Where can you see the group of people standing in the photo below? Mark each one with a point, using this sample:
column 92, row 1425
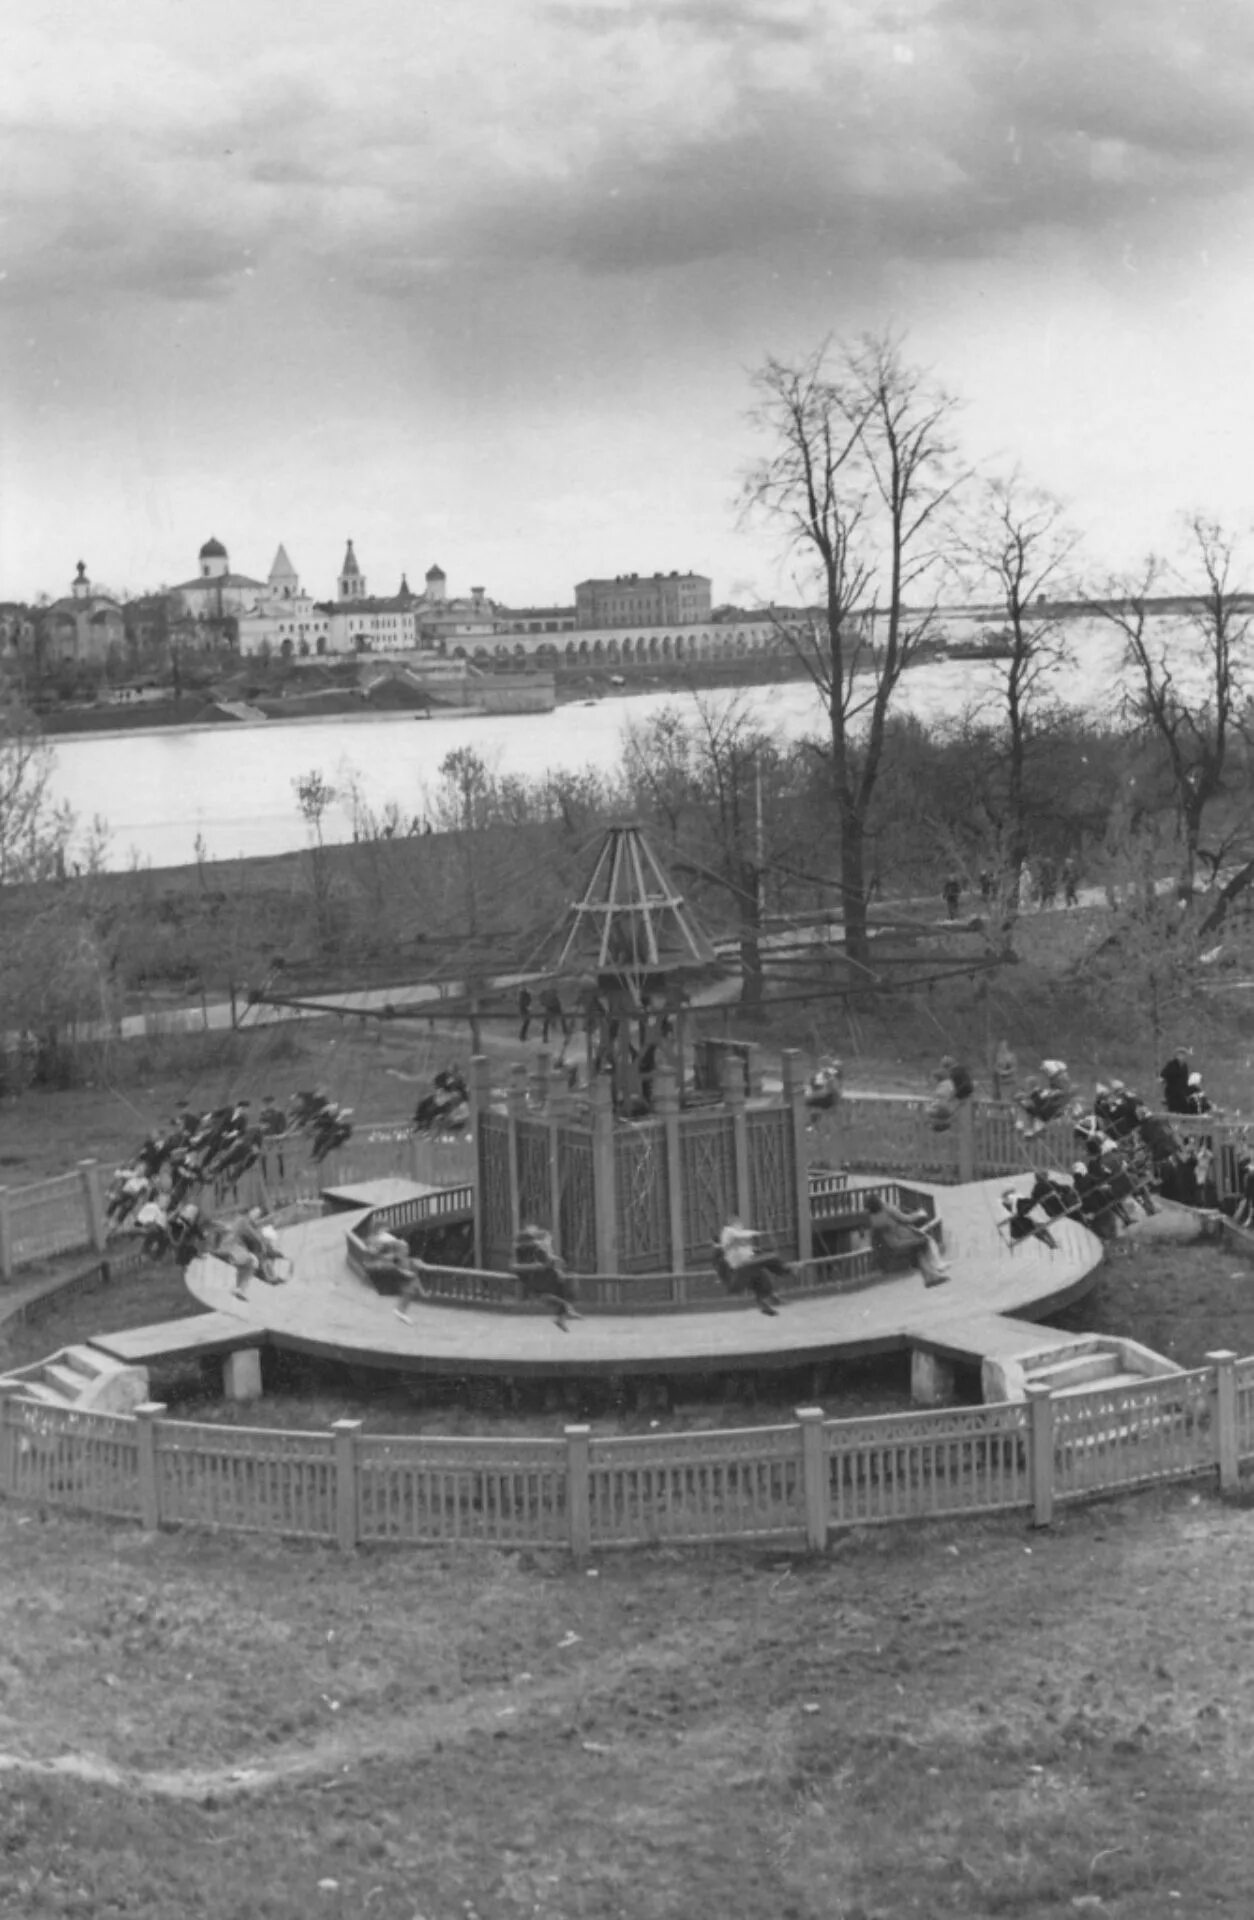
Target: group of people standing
column 1027, row 889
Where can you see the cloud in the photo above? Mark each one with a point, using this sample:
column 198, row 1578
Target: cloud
column 611, row 137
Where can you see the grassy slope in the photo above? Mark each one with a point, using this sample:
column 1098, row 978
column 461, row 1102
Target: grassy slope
column 968, row 1721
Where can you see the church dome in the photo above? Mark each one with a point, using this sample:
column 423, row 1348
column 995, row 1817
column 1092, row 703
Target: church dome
column 436, row 573
column 213, row 550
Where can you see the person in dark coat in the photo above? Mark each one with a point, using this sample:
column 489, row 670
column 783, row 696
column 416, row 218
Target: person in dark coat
column 1175, row 1079
column 524, row 1012
column 543, row 1274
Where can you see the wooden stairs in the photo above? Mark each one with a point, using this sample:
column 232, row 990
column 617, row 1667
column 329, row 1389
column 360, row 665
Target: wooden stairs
column 79, row 1377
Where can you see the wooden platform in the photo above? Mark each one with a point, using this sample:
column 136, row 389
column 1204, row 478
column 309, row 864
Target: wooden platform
column 986, row 1307
column 201, row 1333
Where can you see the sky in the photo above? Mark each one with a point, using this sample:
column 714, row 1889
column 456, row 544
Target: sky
column 484, row 283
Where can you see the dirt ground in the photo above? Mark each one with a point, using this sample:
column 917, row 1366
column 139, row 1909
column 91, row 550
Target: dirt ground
column 974, row 1720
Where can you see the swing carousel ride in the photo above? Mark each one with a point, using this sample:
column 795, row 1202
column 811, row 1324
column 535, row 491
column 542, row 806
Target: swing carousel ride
column 624, row 1179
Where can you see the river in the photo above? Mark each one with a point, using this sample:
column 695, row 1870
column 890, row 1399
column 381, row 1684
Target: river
column 232, row 786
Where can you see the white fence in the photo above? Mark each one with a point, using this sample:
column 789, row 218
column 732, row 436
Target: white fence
column 792, row 1483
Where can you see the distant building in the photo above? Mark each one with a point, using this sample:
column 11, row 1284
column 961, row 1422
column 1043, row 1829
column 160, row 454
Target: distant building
column 217, row 595
column 84, row 627
column 444, row 623
column 285, row 621
column 654, row 600
column 535, row 620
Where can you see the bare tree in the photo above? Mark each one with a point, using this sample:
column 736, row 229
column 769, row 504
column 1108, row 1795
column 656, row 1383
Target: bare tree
column 35, row 833
column 315, row 796
column 861, row 466
column 1016, row 550
column 1187, row 689
column 712, row 773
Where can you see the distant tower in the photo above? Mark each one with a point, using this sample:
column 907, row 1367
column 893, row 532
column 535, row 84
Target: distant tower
column 81, row 589
column 284, row 580
column 213, row 560
column 436, row 578
column 352, row 582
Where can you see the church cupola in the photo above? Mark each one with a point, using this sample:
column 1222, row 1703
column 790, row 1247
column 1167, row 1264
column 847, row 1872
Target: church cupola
column 213, row 560
column 436, row 578
column 81, row 589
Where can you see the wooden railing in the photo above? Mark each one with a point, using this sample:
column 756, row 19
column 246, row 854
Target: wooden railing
column 795, row 1481
column 698, row 1287
column 864, row 1133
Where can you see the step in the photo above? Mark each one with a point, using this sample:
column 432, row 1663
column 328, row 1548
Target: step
column 67, row 1383
column 83, row 1360
column 38, row 1390
column 1073, row 1370
column 1113, row 1381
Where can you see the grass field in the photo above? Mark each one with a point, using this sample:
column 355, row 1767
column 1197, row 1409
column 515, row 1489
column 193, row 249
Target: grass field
column 943, row 1721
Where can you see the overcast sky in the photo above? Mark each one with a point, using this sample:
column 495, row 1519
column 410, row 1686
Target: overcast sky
column 483, row 282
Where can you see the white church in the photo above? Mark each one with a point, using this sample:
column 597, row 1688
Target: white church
column 277, row 616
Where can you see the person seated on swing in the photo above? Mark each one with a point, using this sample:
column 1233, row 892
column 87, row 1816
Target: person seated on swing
column 543, row 1275
column 825, row 1086
column 893, row 1231
column 1020, row 1225
column 1042, row 1103
column 1096, row 1196
column 244, row 1245
column 739, row 1263
column 389, row 1261
column 1055, row 1195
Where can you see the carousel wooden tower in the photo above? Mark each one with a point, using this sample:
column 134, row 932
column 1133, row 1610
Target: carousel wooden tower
column 640, row 1174
column 631, row 950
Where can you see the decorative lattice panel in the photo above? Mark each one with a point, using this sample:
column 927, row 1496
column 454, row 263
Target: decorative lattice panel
column 642, row 1197
column 708, row 1157
column 772, row 1177
column 535, row 1199
column 577, row 1205
column 494, row 1188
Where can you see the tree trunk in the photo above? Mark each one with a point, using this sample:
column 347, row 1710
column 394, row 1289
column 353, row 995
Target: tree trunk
column 751, row 987
column 853, row 887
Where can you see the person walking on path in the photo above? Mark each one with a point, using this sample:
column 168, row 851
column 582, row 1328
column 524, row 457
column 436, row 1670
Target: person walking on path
column 524, row 1012
column 951, row 894
column 893, row 1231
column 1070, row 883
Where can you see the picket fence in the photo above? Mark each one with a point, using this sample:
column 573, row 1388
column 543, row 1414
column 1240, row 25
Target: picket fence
column 67, row 1214
column 794, row 1483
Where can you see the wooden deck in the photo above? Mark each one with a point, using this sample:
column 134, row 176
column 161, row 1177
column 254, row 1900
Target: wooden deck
column 987, row 1307
column 201, row 1333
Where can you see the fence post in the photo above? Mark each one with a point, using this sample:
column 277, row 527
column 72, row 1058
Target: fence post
column 6, row 1236
column 604, row 1175
column 964, row 1131
column 146, row 1417
column 1227, row 1451
column 346, row 1509
column 8, row 1438
column 734, row 1104
column 795, row 1102
column 814, row 1476
column 1041, row 1453
column 666, row 1106
column 480, row 1102
column 93, row 1204
column 578, row 1491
